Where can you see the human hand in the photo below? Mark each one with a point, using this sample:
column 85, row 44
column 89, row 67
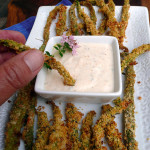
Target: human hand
column 16, row 71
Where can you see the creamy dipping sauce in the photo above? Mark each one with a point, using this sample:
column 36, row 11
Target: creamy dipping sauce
column 92, row 67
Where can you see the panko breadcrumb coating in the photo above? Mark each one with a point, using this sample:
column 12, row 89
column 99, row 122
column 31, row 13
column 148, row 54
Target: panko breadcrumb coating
column 86, row 131
column 74, row 26
column 103, row 26
column 73, row 118
column 17, row 118
column 91, row 9
column 46, row 33
column 133, row 55
column 113, row 136
column 27, row 134
column 43, row 131
column 58, row 131
column 61, row 24
column 90, row 26
column 129, row 118
column 117, row 29
column 54, row 64
column 107, row 117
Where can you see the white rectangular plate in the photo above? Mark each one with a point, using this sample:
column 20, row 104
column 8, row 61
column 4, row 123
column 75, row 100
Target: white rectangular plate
column 137, row 34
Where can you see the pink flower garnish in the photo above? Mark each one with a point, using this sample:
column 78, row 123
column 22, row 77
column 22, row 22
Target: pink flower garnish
column 72, row 43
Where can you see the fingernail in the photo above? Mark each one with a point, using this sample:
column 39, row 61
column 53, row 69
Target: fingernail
column 34, row 60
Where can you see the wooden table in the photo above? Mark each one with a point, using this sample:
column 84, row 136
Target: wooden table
column 19, row 10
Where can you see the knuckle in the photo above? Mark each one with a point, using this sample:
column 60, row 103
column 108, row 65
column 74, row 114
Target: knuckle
column 13, row 76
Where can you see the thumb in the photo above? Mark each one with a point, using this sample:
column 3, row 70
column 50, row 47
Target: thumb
column 18, row 72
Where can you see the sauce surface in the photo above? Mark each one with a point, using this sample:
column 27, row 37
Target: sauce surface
column 92, row 67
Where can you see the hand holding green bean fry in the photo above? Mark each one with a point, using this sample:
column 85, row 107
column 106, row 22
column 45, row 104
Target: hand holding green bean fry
column 49, row 60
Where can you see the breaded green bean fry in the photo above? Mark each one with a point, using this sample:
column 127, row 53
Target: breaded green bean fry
column 91, row 9
column 75, row 29
column 133, row 55
column 124, row 21
column 117, row 29
column 54, row 64
column 86, row 131
column 129, row 118
column 17, row 47
column 27, row 133
column 46, row 33
column 90, row 26
column 98, row 130
column 17, row 118
column 42, row 132
column 103, row 26
column 58, row 133
column 73, row 118
column 93, row 2
column 113, row 135
column 49, row 60
column 61, row 24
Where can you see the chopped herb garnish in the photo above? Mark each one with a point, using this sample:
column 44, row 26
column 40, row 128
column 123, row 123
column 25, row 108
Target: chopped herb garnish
column 47, row 66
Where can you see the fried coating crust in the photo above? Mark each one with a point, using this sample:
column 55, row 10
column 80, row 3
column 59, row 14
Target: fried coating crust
column 51, row 61
column 91, row 9
column 124, row 21
column 107, row 117
column 93, row 2
column 73, row 118
column 117, row 29
column 86, row 131
column 61, row 24
column 46, row 33
column 90, row 26
column 129, row 118
column 17, row 47
column 17, row 118
column 54, row 64
column 103, row 26
column 133, row 55
column 42, row 132
column 113, row 135
column 27, row 134
column 75, row 28
column 58, row 133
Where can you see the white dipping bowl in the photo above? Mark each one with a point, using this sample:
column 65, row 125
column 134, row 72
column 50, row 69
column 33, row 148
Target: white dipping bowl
column 86, row 97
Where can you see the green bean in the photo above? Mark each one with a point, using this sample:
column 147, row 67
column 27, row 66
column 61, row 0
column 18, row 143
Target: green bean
column 133, row 55
column 98, row 130
column 61, row 24
column 17, row 118
column 58, row 134
column 27, row 134
column 54, row 64
column 86, row 131
column 113, row 135
column 75, row 29
column 93, row 2
column 124, row 21
column 42, row 132
column 91, row 9
column 103, row 26
column 129, row 118
column 90, row 26
column 46, row 33
column 73, row 118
